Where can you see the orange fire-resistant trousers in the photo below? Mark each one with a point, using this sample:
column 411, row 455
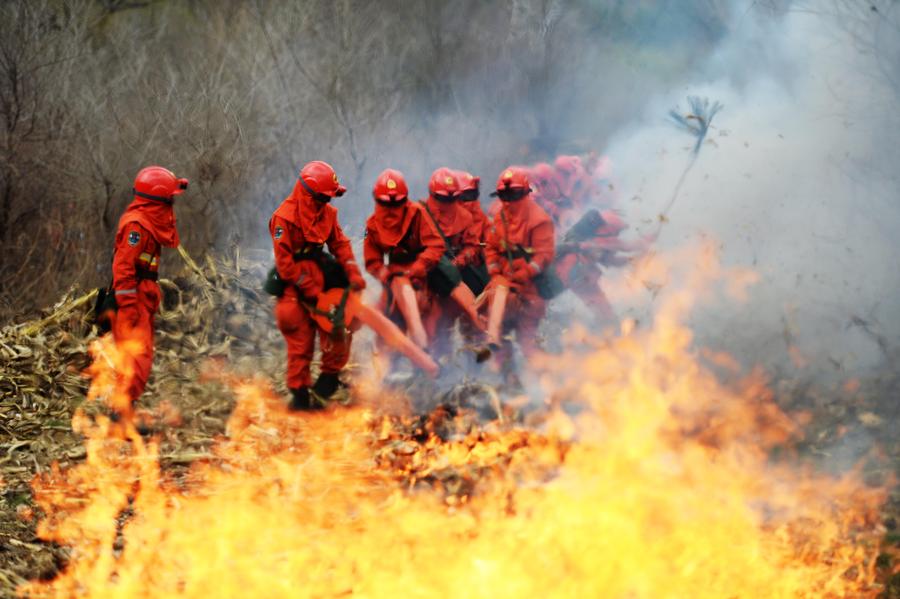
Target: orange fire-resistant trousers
column 299, row 330
column 133, row 329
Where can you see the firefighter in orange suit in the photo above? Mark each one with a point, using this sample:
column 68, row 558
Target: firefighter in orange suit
column 520, row 246
column 146, row 226
column 302, row 227
column 400, row 241
column 455, row 225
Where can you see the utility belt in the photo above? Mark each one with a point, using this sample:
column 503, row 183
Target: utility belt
column 146, row 275
column 310, row 251
column 106, row 303
column 333, row 273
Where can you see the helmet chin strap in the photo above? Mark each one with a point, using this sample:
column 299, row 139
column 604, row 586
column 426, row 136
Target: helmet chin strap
column 148, row 196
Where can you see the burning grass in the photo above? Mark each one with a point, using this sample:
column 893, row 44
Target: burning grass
column 639, row 475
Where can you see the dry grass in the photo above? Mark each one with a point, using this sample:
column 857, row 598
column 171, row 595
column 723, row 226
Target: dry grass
column 214, row 314
column 209, row 313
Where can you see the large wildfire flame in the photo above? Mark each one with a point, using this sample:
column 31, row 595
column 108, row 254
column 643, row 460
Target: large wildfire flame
column 643, row 476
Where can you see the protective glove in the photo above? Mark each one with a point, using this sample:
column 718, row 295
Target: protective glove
column 521, row 271
column 310, row 282
column 522, row 275
column 383, row 275
column 417, row 270
column 312, row 291
column 357, row 282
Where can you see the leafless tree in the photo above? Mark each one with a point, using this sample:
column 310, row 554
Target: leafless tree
column 236, row 95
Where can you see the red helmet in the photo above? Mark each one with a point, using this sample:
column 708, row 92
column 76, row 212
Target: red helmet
column 158, row 183
column 390, row 187
column 319, row 178
column 544, row 177
column 443, row 185
column 468, row 186
column 512, row 184
column 570, row 175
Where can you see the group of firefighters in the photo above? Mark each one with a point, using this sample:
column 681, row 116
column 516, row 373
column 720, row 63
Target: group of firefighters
column 441, row 262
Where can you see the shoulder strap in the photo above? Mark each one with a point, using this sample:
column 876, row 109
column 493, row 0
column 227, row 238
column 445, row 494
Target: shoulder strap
column 447, row 248
column 509, row 254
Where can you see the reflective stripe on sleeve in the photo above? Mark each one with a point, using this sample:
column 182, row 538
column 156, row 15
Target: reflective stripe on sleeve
column 125, row 291
column 300, row 279
column 535, row 266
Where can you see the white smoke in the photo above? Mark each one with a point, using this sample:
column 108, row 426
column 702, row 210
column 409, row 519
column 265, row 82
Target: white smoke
column 796, row 179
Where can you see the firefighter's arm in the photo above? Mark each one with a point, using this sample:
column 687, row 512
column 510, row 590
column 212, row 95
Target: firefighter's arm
column 373, row 255
column 129, row 245
column 470, row 247
column 493, row 255
column 542, row 251
column 289, row 270
column 542, row 247
column 434, row 249
column 340, row 248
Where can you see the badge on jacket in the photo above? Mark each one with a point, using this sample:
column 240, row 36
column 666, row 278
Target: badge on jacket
column 278, row 232
column 133, row 238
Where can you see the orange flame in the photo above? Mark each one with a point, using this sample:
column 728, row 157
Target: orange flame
column 646, row 477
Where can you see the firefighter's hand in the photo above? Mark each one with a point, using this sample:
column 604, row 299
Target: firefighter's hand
column 383, row 275
column 357, row 282
column 310, row 282
column 417, row 271
column 522, row 275
column 518, row 264
column 311, row 291
column 518, row 272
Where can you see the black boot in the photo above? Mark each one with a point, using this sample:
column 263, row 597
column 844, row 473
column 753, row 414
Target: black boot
column 300, row 400
column 326, row 385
